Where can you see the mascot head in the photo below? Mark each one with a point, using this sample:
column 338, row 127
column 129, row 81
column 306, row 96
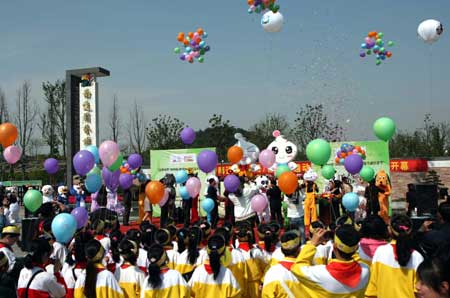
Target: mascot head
column 47, row 190
column 285, row 151
column 251, row 151
column 262, row 182
column 62, row 190
column 310, row 175
column 209, row 177
column 382, row 179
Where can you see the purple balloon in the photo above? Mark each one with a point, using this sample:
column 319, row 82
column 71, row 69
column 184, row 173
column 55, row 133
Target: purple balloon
column 111, row 178
column 134, row 160
column 187, row 135
column 362, row 54
column 183, row 57
column 51, row 166
column 353, row 164
column 83, row 162
column 126, row 181
column 81, row 216
column 207, row 161
column 231, row 183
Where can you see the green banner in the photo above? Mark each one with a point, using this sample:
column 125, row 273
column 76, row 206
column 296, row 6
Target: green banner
column 22, row 183
column 377, row 157
column 163, row 162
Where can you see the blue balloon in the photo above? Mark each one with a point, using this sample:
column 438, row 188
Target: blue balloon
column 383, row 57
column 181, row 176
column 188, row 49
column 93, row 183
column 205, row 35
column 363, row 46
column 376, row 48
column 64, row 226
column 202, row 44
column 184, row 193
column 207, row 205
column 350, row 201
column 94, row 150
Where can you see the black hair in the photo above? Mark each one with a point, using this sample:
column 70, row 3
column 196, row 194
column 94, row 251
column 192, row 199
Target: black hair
column 228, row 226
column 11, row 198
column 195, row 238
column 172, row 230
column 401, row 227
column 135, row 235
column 102, row 196
column 126, row 249
column 350, row 237
column 148, row 235
column 317, row 225
column 224, row 233
column 268, row 236
column 162, row 237
column 444, row 211
column 155, row 253
column 46, row 210
column 374, row 227
column 116, row 237
column 290, row 235
column 78, row 249
column 39, row 247
column 91, row 250
column 182, row 237
column 344, row 220
column 97, row 225
column 433, row 272
column 215, row 243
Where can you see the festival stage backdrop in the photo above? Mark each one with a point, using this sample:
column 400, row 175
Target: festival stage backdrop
column 163, row 162
column 377, row 157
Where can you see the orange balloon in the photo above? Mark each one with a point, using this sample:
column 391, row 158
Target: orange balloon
column 250, row 2
column 389, row 54
column 363, row 152
column 200, row 31
column 235, row 154
column 343, row 154
column 190, row 34
column 373, row 33
column 154, row 191
column 358, row 148
column 181, row 34
column 337, row 160
column 349, row 153
column 288, row 182
column 186, row 42
column 180, row 38
column 8, row 134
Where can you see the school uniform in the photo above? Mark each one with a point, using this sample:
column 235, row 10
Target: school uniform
column 183, row 266
column 8, row 251
column 43, row 285
column 388, row 278
column 173, row 285
column 280, row 282
column 130, row 280
column 172, row 257
column 367, row 249
column 256, row 266
column 203, row 284
column 70, row 275
column 142, row 260
column 343, row 279
column 59, row 252
column 106, row 285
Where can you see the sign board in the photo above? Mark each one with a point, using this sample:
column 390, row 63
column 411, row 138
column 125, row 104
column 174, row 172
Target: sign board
column 88, row 115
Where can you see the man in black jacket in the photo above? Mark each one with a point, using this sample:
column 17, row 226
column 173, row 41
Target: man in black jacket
column 108, row 216
column 274, row 196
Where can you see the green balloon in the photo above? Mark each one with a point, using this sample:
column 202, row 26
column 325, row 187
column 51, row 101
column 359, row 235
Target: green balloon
column 328, row 172
column 367, row 173
column 318, row 151
column 177, row 50
column 378, row 62
column 95, row 170
column 384, row 128
column 32, row 200
column 116, row 165
column 202, row 51
column 380, row 34
column 201, row 59
column 382, row 50
column 368, row 52
column 379, row 41
column 282, row 169
column 390, row 43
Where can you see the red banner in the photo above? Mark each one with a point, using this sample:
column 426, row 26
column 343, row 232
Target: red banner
column 408, row 165
column 225, row 169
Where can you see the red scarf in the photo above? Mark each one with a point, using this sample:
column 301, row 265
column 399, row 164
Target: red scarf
column 99, row 237
column 286, row 264
column 208, row 269
column 80, row 265
column 244, row 246
column 125, row 266
column 6, row 245
column 164, row 270
column 348, row 273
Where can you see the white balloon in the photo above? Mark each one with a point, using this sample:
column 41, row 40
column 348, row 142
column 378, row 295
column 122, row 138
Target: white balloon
column 272, row 22
column 430, row 30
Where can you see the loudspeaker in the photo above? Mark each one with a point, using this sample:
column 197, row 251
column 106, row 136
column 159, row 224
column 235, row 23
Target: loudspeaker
column 30, row 229
column 427, row 198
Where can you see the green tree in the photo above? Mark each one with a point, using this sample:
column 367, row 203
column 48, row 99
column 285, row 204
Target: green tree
column 49, row 119
column 261, row 133
column 164, row 133
column 311, row 122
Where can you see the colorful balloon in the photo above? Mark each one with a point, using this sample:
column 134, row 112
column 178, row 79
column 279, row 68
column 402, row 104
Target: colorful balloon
column 64, row 226
column 109, row 151
column 430, row 31
column 235, row 154
column 207, row 161
column 155, row 191
column 283, row 168
column 94, row 150
column 193, row 186
column 353, row 164
column 374, row 42
column 93, row 182
column 126, row 181
column 267, row 158
column 83, row 162
column 81, row 216
column 51, row 166
column 288, row 182
column 384, row 128
column 184, row 194
column 328, row 171
column 12, row 154
column 33, row 200
column 318, row 151
column 350, row 201
column 116, row 165
column 181, row 176
column 192, row 45
column 8, row 134
column 165, row 197
column 258, row 203
column 135, row 161
column 367, row 173
column 187, row 136
column 231, row 183
column 207, row 205
column 111, row 179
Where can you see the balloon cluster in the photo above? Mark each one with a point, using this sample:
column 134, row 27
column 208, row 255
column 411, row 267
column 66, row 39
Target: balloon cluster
column 8, row 135
column 374, row 44
column 131, row 166
column 347, row 150
column 194, row 46
column 259, row 6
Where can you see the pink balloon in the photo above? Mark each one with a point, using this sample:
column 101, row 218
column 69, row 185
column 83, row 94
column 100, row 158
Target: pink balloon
column 258, row 203
column 109, row 151
column 12, row 154
column 193, row 186
column 267, row 158
column 164, row 198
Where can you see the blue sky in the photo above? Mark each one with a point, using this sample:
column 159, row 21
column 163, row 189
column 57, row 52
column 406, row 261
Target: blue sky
column 248, row 72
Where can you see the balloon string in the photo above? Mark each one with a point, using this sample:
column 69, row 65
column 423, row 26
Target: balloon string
column 431, row 78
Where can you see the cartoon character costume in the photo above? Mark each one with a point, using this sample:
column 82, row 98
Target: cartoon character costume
column 311, row 190
column 113, row 202
column 285, row 151
column 383, row 183
column 263, row 183
column 62, row 194
column 47, row 194
column 250, row 157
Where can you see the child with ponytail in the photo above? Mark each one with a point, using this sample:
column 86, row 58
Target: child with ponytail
column 129, row 276
column 96, row 281
column 193, row 256
column 161, row 281
column 212, row 279
column 394, row 265
column 163, row 238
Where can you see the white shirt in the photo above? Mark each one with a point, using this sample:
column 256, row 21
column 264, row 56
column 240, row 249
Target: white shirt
column 295, row 206
column 59, row 252
column 12, row 214
column 47, row 199
column 242, row 207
